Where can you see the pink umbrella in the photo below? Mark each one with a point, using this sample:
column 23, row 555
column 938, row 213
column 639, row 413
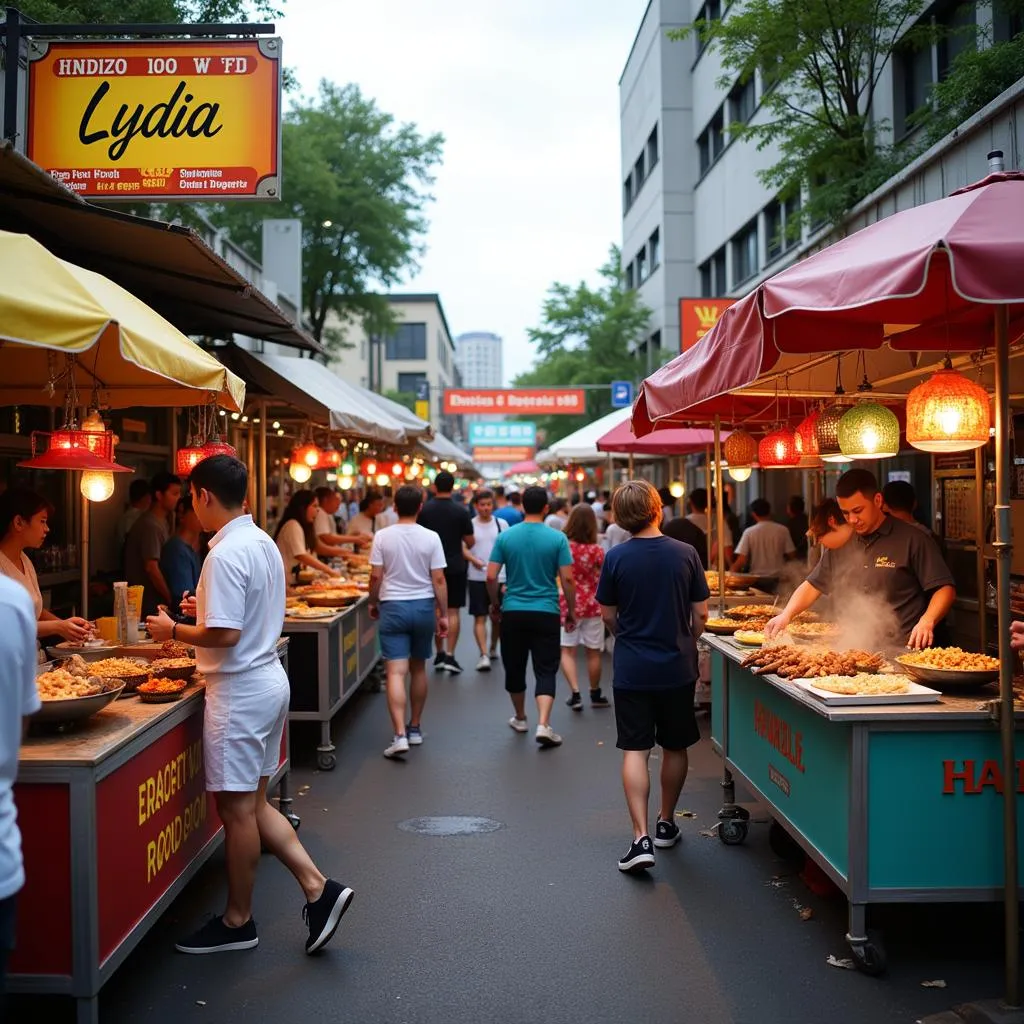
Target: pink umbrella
column 522, row 468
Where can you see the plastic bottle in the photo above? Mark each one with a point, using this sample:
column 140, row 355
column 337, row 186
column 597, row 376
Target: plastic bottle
column 121, row 611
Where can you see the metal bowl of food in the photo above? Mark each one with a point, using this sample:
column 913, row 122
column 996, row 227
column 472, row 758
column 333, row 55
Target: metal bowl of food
column 722, row 627
column 73, row 709
column 91, row 650
column 979, row 669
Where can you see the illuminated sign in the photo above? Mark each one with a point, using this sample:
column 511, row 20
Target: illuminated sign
column 502, row 435
column 183, row 119
column 544, row 401
column 697, row 317
column 502, row 454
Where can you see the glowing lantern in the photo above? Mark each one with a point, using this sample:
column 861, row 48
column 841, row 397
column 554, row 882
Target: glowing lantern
column 215, row 446
column 869, row 431
column 948, row 413
column 397, row 469
column 806, row 440
column 369, row 467
column 330, row 458
column 580, row 475
column 777, row 450
column 186, row 459
column 383, row 479
column 347, row 469
column 677, row 488
column 740, row 473
column 299, row 472
column 96, row 485
column 826, row 433
column 739, row 449
column 308, row 453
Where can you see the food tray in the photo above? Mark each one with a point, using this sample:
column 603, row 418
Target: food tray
column 75, row 708
column 918, row 695
column 59, row 651
column 723, row 630
column 315, row 601
column 313, row 614
column 947, row 678
column 160, row 698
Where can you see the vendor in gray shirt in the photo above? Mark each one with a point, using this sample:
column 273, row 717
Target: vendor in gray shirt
column 887, row 557
column 145, row 543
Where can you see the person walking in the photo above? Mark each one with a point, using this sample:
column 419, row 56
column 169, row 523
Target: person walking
column 409, row 596
column 653, row 596
column 766, row 546
column 534, row 557
column 512, row 510
column 487, row 527
column 239, row 613
column 454, row 525
column 587, row 559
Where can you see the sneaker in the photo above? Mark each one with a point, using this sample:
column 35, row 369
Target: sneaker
column 399, row 746
column 547, row 737
column 494, row 655
column 484, row 664
column 519, row 724
column 440, row 661
column 414, row 734
column 323, row 916
column 452, row 666
column 640, row 856
column 666, row 834
column 216, row 937
column 598, row 699
column 575, row 701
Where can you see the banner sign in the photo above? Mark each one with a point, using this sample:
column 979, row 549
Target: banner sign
column 502, row 435
column 546, row 401
column 697, row 317
column 509, row 454
column 183, row 119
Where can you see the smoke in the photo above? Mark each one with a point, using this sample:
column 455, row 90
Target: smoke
column 867, row 622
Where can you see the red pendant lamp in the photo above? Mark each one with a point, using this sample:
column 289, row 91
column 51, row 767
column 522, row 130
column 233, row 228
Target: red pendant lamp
column 186, row 459
column 368, row 468
column 739, row 449
column 806, row 439
column 69, row 449
column 330, row 457
column 215, row 446
column 777, row 450
column 948, row 413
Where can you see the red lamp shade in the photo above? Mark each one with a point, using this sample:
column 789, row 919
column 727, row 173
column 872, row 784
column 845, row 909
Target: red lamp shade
column 308, row 453
column 948, row 413
column 74, row 449
column 186, row 459
column 330, row 458
column 215, row 446
column 806, row 439
column 777, row 450
column 368, row 467
column 740, row 449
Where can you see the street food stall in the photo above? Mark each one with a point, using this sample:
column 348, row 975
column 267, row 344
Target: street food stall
column 938, row 279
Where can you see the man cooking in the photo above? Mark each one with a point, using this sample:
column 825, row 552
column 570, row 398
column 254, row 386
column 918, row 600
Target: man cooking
column 888, row 557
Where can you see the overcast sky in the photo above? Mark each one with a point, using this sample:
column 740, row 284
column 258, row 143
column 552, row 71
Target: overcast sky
column 526, row 94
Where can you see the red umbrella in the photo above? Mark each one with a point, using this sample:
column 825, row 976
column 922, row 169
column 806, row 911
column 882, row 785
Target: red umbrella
column 678, row 441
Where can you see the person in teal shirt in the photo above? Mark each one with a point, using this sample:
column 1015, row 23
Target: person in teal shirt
column 534, row 557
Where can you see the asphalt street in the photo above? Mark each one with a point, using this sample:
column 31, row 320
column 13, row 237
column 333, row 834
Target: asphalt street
column 532, row 920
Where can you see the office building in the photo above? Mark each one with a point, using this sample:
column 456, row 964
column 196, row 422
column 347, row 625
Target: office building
column 478, row 355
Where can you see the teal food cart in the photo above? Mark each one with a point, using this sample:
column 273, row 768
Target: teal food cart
column 897, row 803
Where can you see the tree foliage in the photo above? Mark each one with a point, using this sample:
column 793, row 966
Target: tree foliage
column 127, row 12
column 584, row 338
column 406, row 398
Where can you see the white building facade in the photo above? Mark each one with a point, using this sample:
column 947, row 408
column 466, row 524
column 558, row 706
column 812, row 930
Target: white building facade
column 478, row 356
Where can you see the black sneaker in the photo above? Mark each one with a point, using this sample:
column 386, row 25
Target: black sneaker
column 640, row 856
column 323, row 916
column 216, row 937
column 666, row 834
column 575, row 701
column 440, row 661
column 451, row 665
column 598, row 699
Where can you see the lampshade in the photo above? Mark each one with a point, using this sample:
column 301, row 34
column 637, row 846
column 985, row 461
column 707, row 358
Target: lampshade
column 677, row 488
column 739, row 449
column 345, row 482
column 806, row 441
column 308, row 453
column 330, row 458
column 347, row 469
column 397, row 469
column 777, row 450
column 215, row 446
column 186, row 459
column 383, row 479
column 948, row 413
column 299, row 472
column 740, row 473
column 96, row 485
column 826, row 433
column 368, row 467
column 74, row 449
column 869, row 431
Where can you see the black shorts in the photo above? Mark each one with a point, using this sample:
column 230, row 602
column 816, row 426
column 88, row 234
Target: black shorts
column 644, row 718
column 456, row 588
column 479, row 599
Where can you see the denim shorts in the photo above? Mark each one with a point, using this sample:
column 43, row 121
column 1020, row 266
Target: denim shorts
column 407, row 629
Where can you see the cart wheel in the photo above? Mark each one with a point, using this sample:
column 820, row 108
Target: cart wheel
column 326, row 761
column 732, row 832
column 870, row 957
column 294, row 820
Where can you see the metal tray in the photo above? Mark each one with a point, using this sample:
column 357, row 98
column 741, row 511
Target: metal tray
column 75, row 708
column 917, row 695
column 87, row 653
column 723, row 630
column 949, row 679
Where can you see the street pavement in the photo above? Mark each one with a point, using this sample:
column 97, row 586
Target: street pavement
column 532, row 921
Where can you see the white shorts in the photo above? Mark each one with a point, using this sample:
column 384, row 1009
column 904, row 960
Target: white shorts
column 244, row 721
column 589, row 632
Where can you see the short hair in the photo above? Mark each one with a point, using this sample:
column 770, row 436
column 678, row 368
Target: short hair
column 324, row 492
column 369, row 498
column 499, row 491
column 699, row 499
column 515, row 498
column 162, row 481
column 137, row 490
column 557, row 504
column 20, row 501
column 761, row 507
column 408, row 499
column 796, row 503
column 636, row 505
column 581, row 526
column 484, row 495
column 224, row 476
column 819, row 523
column 900, row 495
column 444, row 482
column 184, row 506
column 666, row 497
column 534, row 500
column 857, row 481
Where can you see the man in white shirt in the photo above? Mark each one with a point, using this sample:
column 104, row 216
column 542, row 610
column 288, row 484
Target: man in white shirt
column 486, row 528
column 409, row 596
column 764, row 547
column 326, row 529
column 239, row 612
column 18, row 699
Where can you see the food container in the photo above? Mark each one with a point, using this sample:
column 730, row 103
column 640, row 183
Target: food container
column 183, row 672
column 74, row 709
column 947, row 678
column 722, row 630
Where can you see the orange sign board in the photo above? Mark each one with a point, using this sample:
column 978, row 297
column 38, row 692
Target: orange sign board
column 542, row 401
column 697, row 317
column 183, row 119
column 502, row 454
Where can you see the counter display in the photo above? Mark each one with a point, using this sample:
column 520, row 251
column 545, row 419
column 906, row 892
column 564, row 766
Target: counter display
column 895, row 803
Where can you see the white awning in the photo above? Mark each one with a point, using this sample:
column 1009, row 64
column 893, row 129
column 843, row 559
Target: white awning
column 581, row 446
column 414, row 426
column 441, row 447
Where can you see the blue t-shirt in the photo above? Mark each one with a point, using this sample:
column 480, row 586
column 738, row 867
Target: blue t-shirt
column 653, row 582
column 180, row 566
column 510, row 514
column 532, row 554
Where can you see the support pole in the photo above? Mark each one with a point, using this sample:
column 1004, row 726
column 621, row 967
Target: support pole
column 709, row 488
column 84, row 556
column 979, row 520
column 1007, row 659
column 719, row 512
column 262, row 484
column 630, row 465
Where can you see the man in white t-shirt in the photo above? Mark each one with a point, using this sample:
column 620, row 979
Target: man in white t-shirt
column 486, row 528
column 766, row 546
column 409, row 595
column 239, row 613
column 18, row 699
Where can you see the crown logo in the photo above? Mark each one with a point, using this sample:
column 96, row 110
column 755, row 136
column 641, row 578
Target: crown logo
column 157, row 172
column 707, row 315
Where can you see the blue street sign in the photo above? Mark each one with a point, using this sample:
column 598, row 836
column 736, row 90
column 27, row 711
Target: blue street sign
column 622, row 394
column 422, row 391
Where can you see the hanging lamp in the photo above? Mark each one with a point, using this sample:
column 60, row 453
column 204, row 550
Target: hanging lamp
column 948, row 413
column 806, row 441
column 826, row 426
column 739, row 449
column 777, row 450
column 868, row 430
column 188, row 457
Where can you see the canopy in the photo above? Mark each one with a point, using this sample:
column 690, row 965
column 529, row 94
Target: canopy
column 414, row 426
column 526, row 468
column 677, row 441
column 441, row 447
column 926, row 279
column 581, row 445
column 123, row 348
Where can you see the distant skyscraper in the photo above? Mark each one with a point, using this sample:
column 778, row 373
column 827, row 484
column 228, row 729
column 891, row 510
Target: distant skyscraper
column 478, row 357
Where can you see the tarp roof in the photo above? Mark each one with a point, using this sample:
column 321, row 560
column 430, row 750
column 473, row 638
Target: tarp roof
column 582, row 444
column 414, row 426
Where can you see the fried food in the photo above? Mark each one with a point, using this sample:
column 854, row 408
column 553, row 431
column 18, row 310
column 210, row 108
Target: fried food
column 790, row 662
column 174, row 649
column 118, row 668
column 752, row 611
column 950, row 659
column 813, row 630
column 731, row 582
column 59, row 684
column 723, row 623
column 152, row 685
column 748, row 636
column 161, row 663
column 864, row 684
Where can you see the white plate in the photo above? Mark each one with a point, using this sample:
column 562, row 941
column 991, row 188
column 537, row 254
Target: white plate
column 917, row 694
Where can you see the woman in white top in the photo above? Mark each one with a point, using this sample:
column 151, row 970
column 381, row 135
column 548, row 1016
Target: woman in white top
column 24, row 524
column 295, row 537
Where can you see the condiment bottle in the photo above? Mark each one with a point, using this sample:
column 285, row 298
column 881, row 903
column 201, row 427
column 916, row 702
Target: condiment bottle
column 121, row 611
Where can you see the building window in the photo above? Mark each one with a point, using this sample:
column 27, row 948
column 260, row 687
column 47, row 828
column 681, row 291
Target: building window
column 408, row 342
column 641, row 266
column 630, row 280
column 712, row 141
column 1006, row 24
column 627, row 192
column 656, row 342
column 652, row 149
column 712, row 276
column 408, row 383
column 710, row 11
column 639, row 175
column 781, row 226
column 654, row 247
column 744, row 254
column 959, row 24
column 742, row 101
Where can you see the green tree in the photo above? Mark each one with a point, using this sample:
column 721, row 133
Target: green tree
column 359, row 183
column 128, row 12
column 406, row 398
column 584, row 338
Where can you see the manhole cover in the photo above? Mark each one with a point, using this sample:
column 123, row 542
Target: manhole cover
column 449, row 825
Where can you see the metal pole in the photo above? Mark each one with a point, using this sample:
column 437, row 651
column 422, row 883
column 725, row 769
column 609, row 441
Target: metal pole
column 719, row 512
column 250, row 465
column 262, row 487
column 84, row 561
column 979, row 529
column 708, row 457
column 1004, row 547
column 630, row 465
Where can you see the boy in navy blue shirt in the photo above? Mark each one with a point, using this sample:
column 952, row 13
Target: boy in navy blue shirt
column 653, row 596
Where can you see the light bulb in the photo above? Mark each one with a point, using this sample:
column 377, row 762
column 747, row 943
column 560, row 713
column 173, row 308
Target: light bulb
column 949, row 420
column 299, row 472
column 383, row 479
column 677, row 488
column 96, row 485
column 345, row 482
column 740, row 473
column 347, row 469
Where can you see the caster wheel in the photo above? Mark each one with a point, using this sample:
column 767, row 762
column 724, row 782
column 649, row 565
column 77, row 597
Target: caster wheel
column 294, row 820
column 326, row 762
column 870, row 957
column 732, row 832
